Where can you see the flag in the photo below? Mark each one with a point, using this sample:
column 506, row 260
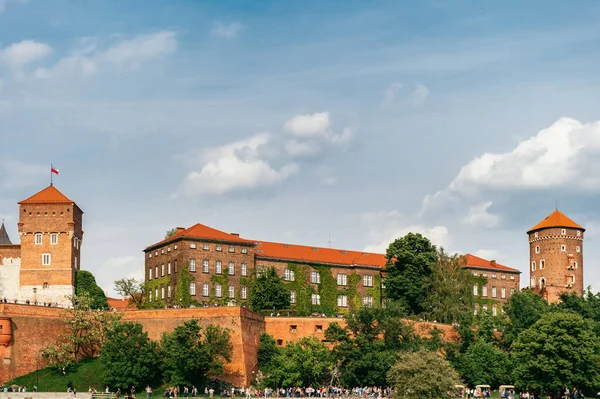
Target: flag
column 53, row 170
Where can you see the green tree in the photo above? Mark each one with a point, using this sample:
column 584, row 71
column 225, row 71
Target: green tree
column 410, row 264
column 268, row 291
column 587, row 305
column 523, row 310
column 85, row 283
column 170, row 233
column 128, row 357
column 449, row 290
column 267, row 351
column 133, row 289
column 560, row 350
column 485, row 363
column 190, row 357
column 422, row 374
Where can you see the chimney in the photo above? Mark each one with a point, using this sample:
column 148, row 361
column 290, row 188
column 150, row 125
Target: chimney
column 179, row 229
column 493, row 262
column 235, row 234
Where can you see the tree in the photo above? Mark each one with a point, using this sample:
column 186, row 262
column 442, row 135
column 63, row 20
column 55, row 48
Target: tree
column 132, row 289
column 485, row 363
column 587, row 305
column 128, row 357
column 410, row 264
column 170, row 233
column 422, row 374
column 523, row 310
column 267, row 350
column 449, row 290
column 560, row 350
column 85, row 283
column 268, row 291
column 189, row 357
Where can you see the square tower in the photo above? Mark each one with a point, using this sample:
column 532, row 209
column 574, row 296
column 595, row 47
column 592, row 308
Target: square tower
column 50, row 228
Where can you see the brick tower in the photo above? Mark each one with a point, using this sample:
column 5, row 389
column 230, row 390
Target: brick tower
column 556, row 256
column 50, row 228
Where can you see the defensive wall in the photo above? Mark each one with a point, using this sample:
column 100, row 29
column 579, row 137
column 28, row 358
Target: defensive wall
column 26, row 329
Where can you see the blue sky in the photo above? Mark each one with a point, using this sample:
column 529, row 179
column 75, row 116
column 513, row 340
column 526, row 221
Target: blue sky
column 296, row 121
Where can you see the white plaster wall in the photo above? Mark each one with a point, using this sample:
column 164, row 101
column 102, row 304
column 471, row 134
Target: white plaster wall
column 10, row 278
column 55, row 294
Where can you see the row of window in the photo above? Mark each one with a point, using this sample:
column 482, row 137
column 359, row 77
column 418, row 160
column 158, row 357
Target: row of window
column 542, row 264
column 192, row 268
column 205, row 247
column 485, row 308
column 494, row 275
column 484, row 291
column 563, row 248
column 39, row 239
column 562, row 232
column 315, row 278
column 47, row 260
column 45, row 213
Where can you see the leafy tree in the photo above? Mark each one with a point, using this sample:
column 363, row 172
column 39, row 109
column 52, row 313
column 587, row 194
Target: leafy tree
column 85, row 283
column 587, row 305
column 485, row 363
column 133, row 289
column 268, row 291
column 560, row 350
column 422, row 374
column 182, row 292
column 267, row 351
column 449, row 290
column 523, row 310
column 170, row 233
column 303, row 363
column 128, row 357
column 86, row 333
column 410, row 264
column 189, row 356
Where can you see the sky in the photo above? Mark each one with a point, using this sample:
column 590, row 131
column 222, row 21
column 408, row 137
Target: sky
column 340, row 123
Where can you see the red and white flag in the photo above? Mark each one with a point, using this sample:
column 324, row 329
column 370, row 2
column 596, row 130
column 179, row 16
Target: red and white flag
column 54, row 170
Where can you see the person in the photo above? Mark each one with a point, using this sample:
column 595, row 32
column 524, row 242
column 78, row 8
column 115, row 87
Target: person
column 74, row 391
column 148, row 391
column 106, row 390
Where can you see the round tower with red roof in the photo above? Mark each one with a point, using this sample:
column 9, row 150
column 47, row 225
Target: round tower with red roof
column 556, row 256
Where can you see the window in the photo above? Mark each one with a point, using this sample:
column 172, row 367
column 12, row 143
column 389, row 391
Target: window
column 542, row 264
column 503, row 277
column 512, row 277
column 149, row 255
column 475, row 290
column 342, row 279
column 169, row 249
column 169, row 268
column 512, row 291
column 244, row 250
column 169, row 291
column 174, row 246
column 316, row 299
column 342, row 301
column 244, row 269
column 484, row 290
column 494, row 310
column 156, row 293
column 193, row 245
column 219, row 248
column 205, row 290
column 289, row 275
column 150, row 274
column 292, row 297
column 46, row 260
column 367, row 280
column 315, row 277
column 578, row 233
column 162, row 292
column 231, row 249
column 45, row 285
column 533, row 266
column 231, row 291
column 532, row 281
column 205, row 247
column 231, row 270
column 162, row 270
column 577, row 249
column 493, row 292
column 575, row 265
column 218, row 292
column 484, row 307
column 535, row 234
column 475, row 274
column 484, row 274
column 155, row 254
column 476, row 310
column 537, row 249
column 38, row 239
column 503, row 293
column 192, row 288
column 219, row 267
column 293, row 328
column 54, row 238
column 563, row 232
column 563, row 248
column 244, row 292
column 279, row 342
column 205, row 266
column 493, row 275
column 572, row 279
column 156, row 273
column 368, row 300
column 75, row 262
column 193, row 264
column 162, row 251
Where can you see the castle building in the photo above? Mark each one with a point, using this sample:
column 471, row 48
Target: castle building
column 321, row 280
column 41, row 269
column 556, row 256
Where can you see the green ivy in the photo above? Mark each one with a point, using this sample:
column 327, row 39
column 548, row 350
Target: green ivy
column 375, row 291
column 303, row 288
column 150, row 287
column 182, row 291
column 222, row 279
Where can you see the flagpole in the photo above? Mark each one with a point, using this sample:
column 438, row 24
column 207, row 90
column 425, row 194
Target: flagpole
column 51, row 167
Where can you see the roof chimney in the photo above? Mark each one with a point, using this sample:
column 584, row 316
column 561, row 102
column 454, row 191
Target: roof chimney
column 178, row 229
column 235, row 234
column 493, row 262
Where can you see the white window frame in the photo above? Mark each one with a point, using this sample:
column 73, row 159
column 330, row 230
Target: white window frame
column 192, row 264
column 578, row 233
column 39, row 238
column 219, row 267
column 168, row 291
column 512, row 277
column 315, row 277
column 231, row 292
column 493, row 275
column 475, row 289
column 205, row 265
column 289, row 275
column 75, row 262
column 292, row 297
column 244, row 269
column 53, row 238
column 368, row 300
column 205, row 247
column 156, row 275
column 578, row 249
column 244, row 250
column 192, row 288
column 219, row 248
column 563, row 248
column 162, row 292
column 494, row 293
column 205, row 289
column 342, row 301
column 475, row 274
column 231, row 248
column 503, row 293
column 150, row 274
column 563, row 232
column 231, row 269
column 193, row 245
column 46, row 259
column 244, row 292
column 218, row 290
column 342, row 279
column 494, row 310
column 484, row 290
column 168, row 267
column 503, row 276
column 542, row 264
column 537, row 249
column 162, row 270
column 316, row 299
column 535, row 235
column 367, row 280
column 533, row 266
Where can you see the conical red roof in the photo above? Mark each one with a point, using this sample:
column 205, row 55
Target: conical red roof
column 48, row 195
column 556, row 219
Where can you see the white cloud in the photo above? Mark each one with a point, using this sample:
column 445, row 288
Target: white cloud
column 390, row 94
column 419, row 94
column 131, row 54
column 236, row 166
column 25, row 52
column 479, row 215
column 308, row 125
column 227, row 30
column 297, row 148
column 488, row 254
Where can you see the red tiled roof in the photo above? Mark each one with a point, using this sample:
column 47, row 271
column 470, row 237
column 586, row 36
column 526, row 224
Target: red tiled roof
column 556, row 219
column 120, row 304
column 304, row 253
column 48, row 195
column 476, row 261
column 203, row 232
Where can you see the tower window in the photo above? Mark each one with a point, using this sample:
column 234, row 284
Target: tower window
column 46, row 260
column 535, row 234
column 578, row 233
column 537, row 249
column 45, row 285
column 542, row 264
column 54, row 238
column 578, row 249
column 533, row 266
column 38, row 238
column 563, row 248
column 563, row 232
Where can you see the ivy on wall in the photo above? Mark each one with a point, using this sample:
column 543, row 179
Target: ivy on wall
column 223, row 280
column 150, row 288
column 375, row 291
column 182, row 291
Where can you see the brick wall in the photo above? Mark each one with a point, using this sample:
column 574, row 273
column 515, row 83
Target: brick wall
column 9, row 252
